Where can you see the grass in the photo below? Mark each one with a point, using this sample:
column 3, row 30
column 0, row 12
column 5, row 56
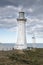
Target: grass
column 23, row 57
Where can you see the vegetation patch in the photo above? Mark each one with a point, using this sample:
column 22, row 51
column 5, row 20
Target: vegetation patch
column 25, row 57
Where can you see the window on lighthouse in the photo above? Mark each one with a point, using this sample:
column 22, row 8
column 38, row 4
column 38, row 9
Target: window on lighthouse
column 21, row 15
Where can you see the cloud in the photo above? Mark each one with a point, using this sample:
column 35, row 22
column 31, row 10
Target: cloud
column 8, row 17
column 34, row 13
column 34, row 26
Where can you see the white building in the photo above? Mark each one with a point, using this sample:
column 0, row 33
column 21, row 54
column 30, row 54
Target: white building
column 21, row 39
column 33, row 41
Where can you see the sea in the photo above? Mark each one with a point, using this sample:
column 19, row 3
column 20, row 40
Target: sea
column 10, row 46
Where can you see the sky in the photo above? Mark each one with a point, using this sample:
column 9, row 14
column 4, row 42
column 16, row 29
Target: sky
column 8, row 20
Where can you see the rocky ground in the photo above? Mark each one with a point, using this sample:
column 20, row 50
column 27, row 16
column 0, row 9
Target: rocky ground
column 22, row 57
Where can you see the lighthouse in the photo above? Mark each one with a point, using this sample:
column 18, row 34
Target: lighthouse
column 21, row 38
column 34, row 41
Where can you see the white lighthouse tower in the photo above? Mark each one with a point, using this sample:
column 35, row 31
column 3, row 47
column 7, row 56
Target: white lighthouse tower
column 34, row 40
column 21, row 39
